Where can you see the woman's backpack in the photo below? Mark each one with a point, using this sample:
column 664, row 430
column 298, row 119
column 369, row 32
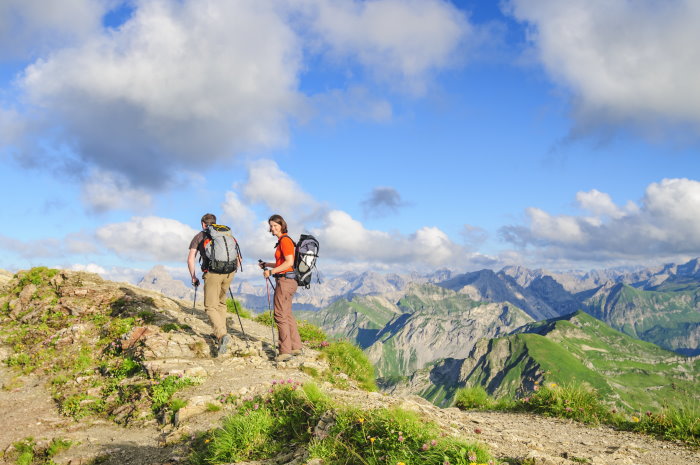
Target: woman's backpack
column 305, row 255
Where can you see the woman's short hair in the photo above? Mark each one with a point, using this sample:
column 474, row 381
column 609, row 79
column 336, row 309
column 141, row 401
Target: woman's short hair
column 279, row 220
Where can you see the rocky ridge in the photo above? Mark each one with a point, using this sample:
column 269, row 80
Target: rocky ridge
column 28, row 408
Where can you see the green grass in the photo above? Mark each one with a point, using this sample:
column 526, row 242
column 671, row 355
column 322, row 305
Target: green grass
column 234, row 304
column 90, row 357
column 26, row 451
column 162, row 391
column 264, row 319
column 344, row 357
column 584, row 404
column 311, row 334
column 473, row 398
column 263, row 427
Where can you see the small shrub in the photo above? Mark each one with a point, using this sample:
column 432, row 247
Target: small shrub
column 311, row 334
column 234, row 304
column 262, row 427
column 676, row 423
column 572, row 401
column 25, row 451
column 213, row 407
column 176, row 404
column 146, row 316
column 264, row 319
column 57, row 445
column 474, row 397
column 349, row 359
column 168, row 327
column 38, row 275
column 163, row 390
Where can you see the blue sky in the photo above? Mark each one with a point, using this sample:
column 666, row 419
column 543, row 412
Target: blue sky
column 408, row 135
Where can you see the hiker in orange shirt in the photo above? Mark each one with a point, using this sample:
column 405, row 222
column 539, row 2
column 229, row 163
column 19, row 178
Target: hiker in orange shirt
column 283, row 272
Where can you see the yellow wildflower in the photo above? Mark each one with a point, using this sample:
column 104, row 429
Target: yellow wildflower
column 372, row 440
column 635, row 419
column 400, row 463
column 360, row 420
column 552, row 385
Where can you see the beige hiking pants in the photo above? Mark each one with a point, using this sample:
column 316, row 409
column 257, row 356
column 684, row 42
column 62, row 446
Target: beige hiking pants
column 215, row 288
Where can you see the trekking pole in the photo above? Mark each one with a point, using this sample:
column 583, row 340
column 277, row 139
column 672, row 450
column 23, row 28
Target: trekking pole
column 194, row 301
column 235, row 307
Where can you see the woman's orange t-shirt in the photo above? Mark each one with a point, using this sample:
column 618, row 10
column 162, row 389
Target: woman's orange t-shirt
column 284, row 248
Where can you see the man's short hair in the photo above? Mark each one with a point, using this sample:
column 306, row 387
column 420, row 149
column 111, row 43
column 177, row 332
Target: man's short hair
column 209, row 219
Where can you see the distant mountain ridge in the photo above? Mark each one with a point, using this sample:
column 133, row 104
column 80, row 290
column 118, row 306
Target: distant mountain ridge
column 576, row 348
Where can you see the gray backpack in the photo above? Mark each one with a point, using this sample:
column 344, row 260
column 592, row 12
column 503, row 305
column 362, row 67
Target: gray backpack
column 221, row 250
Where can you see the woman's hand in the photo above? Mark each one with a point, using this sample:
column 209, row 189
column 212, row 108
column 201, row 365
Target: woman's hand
column 267, row 273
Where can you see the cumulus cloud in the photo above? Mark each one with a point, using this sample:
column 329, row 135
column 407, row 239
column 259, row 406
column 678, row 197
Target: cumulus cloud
column 474, row 235
column 104, row 191
column 269, row 185
column 382, row 201
column 30, row 27
column 625, row 62
column 177, row 86
column 665, row 223
column 148, row 239
column 114, row 273
column 394, row 39
column 346, row 239
column 50, row 247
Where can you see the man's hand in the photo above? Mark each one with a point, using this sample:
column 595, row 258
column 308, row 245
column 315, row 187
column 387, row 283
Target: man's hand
column 261, row 264
column 195, row 281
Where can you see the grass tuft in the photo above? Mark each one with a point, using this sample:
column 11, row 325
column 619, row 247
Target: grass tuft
column 264, row 427
column 584, row 404
column 344, row 357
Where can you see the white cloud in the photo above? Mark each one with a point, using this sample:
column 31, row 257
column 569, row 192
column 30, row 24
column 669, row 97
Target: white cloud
column 28, row 27
column 50, row 247
column 624, row 61
column 395, row 39
column 104, row 191
column 115, row 273
column 148, row 239
column 89, row 267
column 180, row 79
column 663, row 225
column 268, row 184
column 241, row 216
column 347, row 240
column 177, row 80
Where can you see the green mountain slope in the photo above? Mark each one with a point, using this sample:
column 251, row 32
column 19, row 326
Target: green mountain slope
column 359, row 319
column 668, row 316
column 576, row 348
column 438, row 323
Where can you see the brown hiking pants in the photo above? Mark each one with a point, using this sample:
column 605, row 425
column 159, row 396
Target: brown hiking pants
column 289, row 339
column 215, row 287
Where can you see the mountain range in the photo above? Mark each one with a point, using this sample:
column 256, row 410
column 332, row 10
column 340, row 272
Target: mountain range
column 431, row 334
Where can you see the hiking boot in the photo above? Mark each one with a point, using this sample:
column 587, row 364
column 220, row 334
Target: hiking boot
column 283, row 358
column 223, row 345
